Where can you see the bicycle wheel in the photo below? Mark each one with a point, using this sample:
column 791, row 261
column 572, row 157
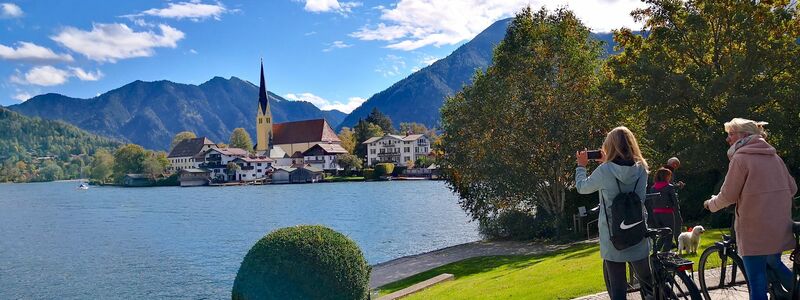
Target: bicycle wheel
column 721, row 275
column 680, row 287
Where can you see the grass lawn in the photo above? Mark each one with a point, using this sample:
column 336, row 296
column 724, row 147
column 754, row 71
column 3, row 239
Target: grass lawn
column 566, row 274
column 344, row 179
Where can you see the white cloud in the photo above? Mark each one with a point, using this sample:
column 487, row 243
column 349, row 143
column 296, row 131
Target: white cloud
column 412, row 24
column 31, row 51
column 22, row 96
column 42, row 75
column 192, row 51
column 87, row 76
column 112, row 42
column 194, row 11
column 10, row 10
column 310, row 33
column 391, row 65
column 319, row 6
column 337, row 45
column 324, row 104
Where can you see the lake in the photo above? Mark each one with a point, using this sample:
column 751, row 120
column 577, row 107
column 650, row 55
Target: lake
column 170, row 242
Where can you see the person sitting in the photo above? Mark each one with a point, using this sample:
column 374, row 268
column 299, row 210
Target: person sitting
column 664, row 211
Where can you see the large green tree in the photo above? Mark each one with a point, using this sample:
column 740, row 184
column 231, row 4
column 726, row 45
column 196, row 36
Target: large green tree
column 703, row 63
column 348, row 162
column 348, row 138
column 241, row 139
column 183, row 135
column 378, row 118
column 363, row 131
column 509, row 140
column 102, row 166
column 129, row 159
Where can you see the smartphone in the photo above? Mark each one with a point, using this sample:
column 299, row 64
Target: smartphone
column 594, row 154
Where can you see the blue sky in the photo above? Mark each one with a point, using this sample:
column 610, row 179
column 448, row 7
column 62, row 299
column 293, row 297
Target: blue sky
column 335, row 54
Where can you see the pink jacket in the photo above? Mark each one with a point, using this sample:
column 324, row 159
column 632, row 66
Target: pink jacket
column 762, row 189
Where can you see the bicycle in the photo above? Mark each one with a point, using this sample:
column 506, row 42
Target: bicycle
column 722, row 264
column 670, row 278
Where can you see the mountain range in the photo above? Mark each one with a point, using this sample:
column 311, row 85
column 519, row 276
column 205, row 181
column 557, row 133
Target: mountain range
column 151, row 113
column 418, row 97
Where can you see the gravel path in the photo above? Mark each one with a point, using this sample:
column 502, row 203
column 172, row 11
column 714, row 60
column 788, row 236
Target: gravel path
column 407, row 266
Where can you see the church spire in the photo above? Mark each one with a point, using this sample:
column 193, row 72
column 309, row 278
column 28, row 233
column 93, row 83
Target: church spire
column 262, row 91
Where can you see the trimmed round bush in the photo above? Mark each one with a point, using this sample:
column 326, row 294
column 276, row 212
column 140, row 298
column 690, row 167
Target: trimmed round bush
column 303, row 262
column 383, row 169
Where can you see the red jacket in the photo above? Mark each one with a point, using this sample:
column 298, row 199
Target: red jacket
column 762, row 189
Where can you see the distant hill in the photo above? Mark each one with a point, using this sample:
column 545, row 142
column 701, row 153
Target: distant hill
column 418, row 97
column 33, row 141
column 151, row 113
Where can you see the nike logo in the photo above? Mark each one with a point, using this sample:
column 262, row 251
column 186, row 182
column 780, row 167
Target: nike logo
column 624, row 226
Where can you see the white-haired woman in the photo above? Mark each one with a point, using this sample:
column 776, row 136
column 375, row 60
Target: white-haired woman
column 622, row 168
column 761, row 187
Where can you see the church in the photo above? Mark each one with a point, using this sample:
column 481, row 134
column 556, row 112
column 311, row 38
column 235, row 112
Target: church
column 284, row 140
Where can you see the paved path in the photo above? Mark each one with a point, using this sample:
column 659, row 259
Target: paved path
column 407, row 266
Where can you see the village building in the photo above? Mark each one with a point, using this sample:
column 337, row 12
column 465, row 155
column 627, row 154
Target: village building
column 276, row 140
column 182, row 156
column 397, row 149
column 323, row 157
column 306, row 174
column 253, row 168
column 216, row 161
column 194, row 177
column 282, row 175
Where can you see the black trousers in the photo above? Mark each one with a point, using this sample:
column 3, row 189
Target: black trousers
column 615, row 276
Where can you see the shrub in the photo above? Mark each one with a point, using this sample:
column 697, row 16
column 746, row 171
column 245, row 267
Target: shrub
column 303, row 262
column 368, row 173
column 383, row 169
column 399, row 170
column 518, row 225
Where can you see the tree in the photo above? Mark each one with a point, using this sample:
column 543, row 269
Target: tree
column 50, row 171
column 363, row 131
column 509, row 139
column 348, row 162
column 413, row 128
column 183, row 135
column 378, row 118
column 155, row 163
column 705, row 62
column 102, row 165
column 129, row 159
column 348, row 139
column 241, row 139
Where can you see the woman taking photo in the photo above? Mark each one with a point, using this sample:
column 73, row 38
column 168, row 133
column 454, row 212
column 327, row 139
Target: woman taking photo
column 623, row 169
column 760, row 186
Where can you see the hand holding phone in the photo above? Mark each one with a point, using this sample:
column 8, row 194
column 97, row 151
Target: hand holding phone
column 594, row 154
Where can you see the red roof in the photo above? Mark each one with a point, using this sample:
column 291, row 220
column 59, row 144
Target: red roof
column 308, row 131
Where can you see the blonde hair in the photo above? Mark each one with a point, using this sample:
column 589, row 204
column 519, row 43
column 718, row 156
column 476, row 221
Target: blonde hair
column 621, row 143
column 749, row 127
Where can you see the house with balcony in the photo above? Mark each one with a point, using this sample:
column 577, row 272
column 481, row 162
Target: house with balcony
column 323, row 156
column 216, row 161
column 253, row 168
column 396, row 149
column 182, row 156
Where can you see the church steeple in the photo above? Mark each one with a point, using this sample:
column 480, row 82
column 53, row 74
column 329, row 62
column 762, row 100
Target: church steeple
column 263, row 118
column 263, row 101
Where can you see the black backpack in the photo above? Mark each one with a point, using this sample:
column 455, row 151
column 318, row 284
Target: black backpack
column 627, row 226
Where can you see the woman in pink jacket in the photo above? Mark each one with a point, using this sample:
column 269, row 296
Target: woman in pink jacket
column 760, row 186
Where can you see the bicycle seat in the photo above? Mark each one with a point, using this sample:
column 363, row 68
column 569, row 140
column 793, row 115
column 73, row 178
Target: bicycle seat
column 659, row 232
column 796, row 227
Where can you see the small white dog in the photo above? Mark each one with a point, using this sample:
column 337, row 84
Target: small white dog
column 688, row 241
